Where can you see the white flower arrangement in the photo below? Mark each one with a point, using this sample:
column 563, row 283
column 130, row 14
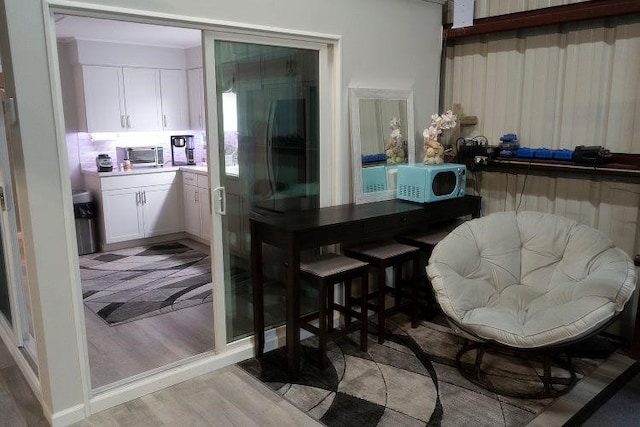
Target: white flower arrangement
column 433, row 150
column 394, row 147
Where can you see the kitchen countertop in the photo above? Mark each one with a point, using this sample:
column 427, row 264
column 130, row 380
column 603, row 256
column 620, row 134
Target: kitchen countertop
column 202, row 170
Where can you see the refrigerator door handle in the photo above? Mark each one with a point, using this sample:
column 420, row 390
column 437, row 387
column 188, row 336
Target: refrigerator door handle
column 220, row 204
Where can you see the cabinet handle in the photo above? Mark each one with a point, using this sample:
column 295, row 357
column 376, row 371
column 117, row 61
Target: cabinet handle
column 137, row 198
column 144, row 197
column 122, row 122
column 128, row 121
column 196, row 196
column 164, row 120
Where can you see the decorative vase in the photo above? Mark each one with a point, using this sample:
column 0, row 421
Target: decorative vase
column 433, row 152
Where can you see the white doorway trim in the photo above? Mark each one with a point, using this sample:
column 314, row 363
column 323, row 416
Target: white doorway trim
column 330, row 119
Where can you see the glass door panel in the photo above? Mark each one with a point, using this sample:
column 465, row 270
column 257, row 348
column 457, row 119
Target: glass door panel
column 13, row 285
column 268, row 125
column 5, row 305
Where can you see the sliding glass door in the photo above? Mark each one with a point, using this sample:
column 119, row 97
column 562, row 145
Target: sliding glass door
column 14, row 311
column 268, row 115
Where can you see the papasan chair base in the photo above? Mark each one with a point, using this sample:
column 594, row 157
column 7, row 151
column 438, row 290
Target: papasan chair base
column 550, row 386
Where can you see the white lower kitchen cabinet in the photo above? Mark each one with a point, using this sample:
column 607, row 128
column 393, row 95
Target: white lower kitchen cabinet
column 205, row 214
column 161, row 210
column 137, row 206
column 122, row 215
column 197, row 212
column 141, row 212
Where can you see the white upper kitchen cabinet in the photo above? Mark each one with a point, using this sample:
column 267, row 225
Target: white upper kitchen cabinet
column 173, row 93
column 196, row 98
column 142, row 98
column 103, row 99
column 119, row 99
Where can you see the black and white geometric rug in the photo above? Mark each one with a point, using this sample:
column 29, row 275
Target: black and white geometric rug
column 410, row 380
column 133, row 283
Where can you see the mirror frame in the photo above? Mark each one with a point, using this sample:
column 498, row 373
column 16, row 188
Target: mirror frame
column 355, row 95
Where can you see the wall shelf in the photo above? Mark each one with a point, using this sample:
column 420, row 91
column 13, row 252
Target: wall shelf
column 623, row 168
column 594, row 9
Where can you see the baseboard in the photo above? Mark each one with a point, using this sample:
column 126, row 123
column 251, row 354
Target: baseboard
column 68, row 416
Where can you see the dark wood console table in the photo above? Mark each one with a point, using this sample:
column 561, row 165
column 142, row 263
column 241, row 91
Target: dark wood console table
column 349, row 223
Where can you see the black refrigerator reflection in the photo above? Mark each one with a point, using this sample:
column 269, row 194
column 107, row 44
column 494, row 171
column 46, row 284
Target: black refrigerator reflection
column 268, row 97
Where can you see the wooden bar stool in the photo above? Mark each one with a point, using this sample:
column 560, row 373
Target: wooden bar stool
column 426, row 241
column 326, row 271
column 380, row 256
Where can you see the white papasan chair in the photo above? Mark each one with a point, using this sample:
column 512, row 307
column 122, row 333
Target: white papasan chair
column 528, row 283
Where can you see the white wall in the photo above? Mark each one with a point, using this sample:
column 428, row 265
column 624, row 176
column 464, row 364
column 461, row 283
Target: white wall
column 385, row 44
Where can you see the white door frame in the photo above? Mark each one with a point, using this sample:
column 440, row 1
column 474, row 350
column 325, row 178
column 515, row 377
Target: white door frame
column 331, row 120
column 9, row 229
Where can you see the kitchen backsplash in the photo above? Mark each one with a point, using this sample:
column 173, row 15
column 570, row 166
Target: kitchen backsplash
column 89, row 146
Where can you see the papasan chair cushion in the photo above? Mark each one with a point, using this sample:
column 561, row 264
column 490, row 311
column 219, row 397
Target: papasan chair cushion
column 529, row 280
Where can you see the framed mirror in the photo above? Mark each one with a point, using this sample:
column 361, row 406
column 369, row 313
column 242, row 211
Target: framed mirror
column 382, row 136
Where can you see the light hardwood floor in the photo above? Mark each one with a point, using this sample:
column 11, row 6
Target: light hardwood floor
column 119, row 352
column 18, row 405
column 227, row 397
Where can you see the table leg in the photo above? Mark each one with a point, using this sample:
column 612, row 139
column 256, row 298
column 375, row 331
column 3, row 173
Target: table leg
column 257, row 281
column 293, row 311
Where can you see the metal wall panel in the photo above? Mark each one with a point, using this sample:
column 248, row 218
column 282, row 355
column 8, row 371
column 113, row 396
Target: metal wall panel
column 485, row 8
column 561, row 86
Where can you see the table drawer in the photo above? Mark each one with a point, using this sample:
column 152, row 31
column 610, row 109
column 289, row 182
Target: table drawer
column 386, row 225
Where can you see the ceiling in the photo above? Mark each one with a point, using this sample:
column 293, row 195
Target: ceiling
column 126, row 32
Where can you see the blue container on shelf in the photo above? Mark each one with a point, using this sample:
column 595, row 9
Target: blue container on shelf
column 563, row 154
column 374, row 158
column 524, row 153
column 543, row 153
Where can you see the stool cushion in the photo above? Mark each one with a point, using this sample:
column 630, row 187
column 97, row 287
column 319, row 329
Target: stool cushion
column 432, row 237
column 383, row 250
column 529, row 279
column 329, row 264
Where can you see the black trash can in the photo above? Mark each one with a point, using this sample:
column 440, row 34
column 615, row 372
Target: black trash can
column 84, row 210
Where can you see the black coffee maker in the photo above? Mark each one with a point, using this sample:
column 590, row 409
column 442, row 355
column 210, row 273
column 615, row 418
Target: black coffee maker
column 179, row 142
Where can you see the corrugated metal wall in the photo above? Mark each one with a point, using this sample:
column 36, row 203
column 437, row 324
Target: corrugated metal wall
column 484, row 8
column 560, row 86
